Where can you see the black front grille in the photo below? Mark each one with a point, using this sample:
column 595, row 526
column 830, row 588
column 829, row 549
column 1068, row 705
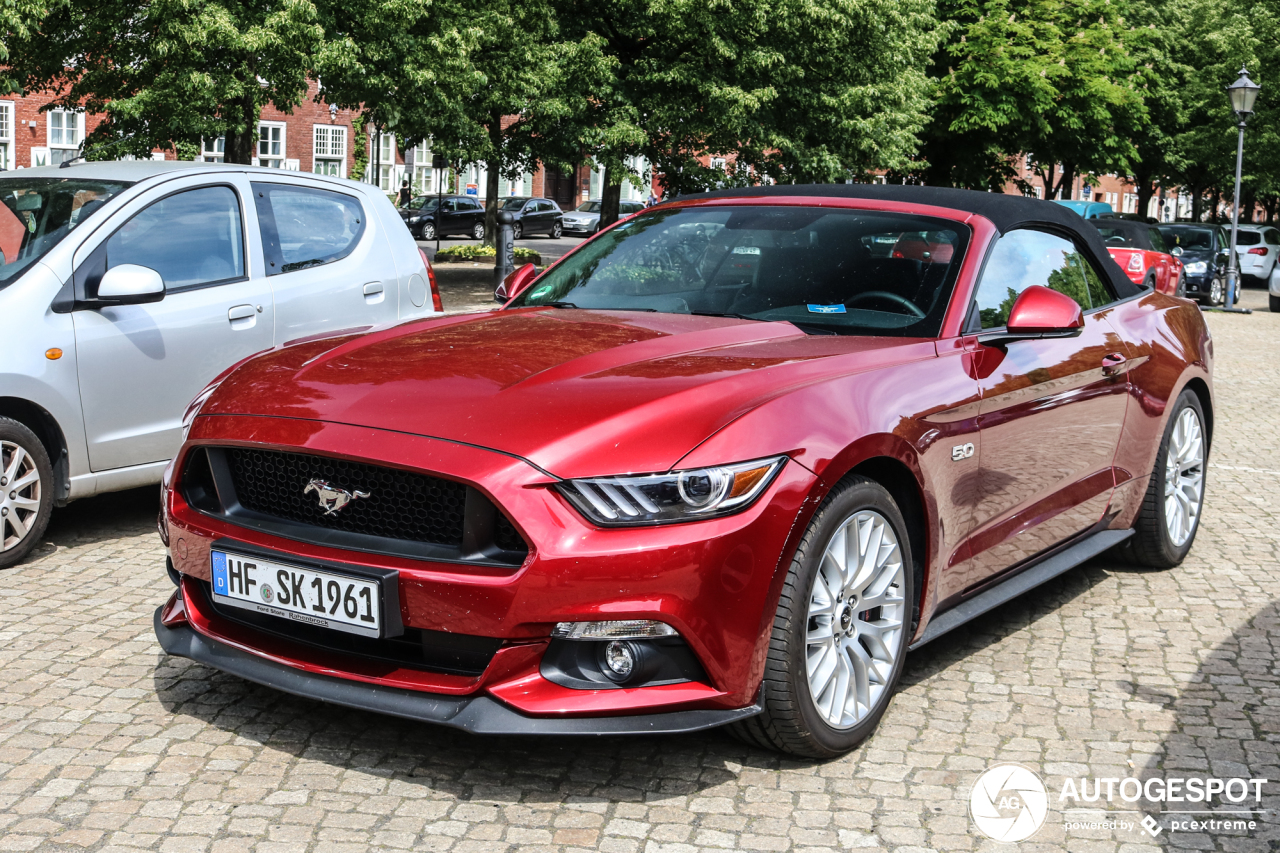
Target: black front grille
column 400, row 504
column 392, row 511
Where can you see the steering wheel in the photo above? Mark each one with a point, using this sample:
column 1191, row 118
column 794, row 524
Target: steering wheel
column 912, row 309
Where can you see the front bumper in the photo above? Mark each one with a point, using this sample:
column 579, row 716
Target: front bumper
column 475, row 714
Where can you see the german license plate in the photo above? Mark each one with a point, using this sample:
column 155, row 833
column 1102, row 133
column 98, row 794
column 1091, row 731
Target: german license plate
column 298, row 593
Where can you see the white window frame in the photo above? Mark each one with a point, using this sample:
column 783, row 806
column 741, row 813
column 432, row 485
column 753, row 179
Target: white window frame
column 328, row 153
column 272, row 159
column 62, row 149
column 8, row 110
column 213, row 150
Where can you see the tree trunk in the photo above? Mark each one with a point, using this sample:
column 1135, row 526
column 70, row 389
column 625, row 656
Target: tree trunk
column 238, row 145
column 610, row 198
column 1143, row 183
column 1197, row 203
column 1066, row 180
column 492, row 179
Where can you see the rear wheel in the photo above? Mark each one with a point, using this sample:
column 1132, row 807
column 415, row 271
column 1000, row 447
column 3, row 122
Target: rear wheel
column 556, row 231
column 841, row 630
column 1275, row 303
column 1170, row 515
column 26, row 491
column 428, row 231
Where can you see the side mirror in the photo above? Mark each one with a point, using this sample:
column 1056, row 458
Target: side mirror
column 130, row 284
column 1176, row 251
column 515, row 283
column 1039, row 313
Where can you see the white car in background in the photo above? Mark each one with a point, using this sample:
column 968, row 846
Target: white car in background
column 126, row 288
column 1257, row 247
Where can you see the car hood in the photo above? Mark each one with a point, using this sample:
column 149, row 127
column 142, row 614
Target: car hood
column 575, row 392
column 1189, row 256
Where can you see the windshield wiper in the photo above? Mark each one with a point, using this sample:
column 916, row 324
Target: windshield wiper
column 724, row 314
column 557, row 305
column 810, row 329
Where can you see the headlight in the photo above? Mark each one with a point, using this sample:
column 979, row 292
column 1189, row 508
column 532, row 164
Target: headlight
column 667, row 498
column 193, row 408
column 1198, row 268
column 415, row 219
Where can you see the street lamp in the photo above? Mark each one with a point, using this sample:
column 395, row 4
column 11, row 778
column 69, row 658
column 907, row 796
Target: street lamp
column 1242, row 93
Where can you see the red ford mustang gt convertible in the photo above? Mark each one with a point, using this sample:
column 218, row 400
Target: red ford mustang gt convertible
column 728, row 462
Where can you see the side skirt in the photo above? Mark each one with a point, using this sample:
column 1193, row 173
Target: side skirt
column 1047, row 569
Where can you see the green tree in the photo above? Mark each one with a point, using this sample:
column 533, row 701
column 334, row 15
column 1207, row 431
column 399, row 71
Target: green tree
column 170, row 71
column 16, row 19
column 792, row 90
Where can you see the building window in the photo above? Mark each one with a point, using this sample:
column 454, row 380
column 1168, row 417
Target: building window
column 1111, row 199
column 271, row 139
column 330, row 152
column 213, row 150
column 6, row 135
column 1130, row 203
column 422, row 178
column 66, row 132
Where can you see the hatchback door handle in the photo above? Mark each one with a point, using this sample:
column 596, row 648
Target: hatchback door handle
column 1113, row 364
column 372, row 287
column 241, row 312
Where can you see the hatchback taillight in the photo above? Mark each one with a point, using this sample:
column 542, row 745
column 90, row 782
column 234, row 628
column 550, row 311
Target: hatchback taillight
column 431, row 279
column 1135, row 262
column 1258, row 251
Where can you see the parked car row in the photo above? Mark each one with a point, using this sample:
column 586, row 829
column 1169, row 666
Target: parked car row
column 430, row 216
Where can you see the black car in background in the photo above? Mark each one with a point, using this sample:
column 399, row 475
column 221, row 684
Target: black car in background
column 533, row 216
column 1203, row 251
column 457, row 214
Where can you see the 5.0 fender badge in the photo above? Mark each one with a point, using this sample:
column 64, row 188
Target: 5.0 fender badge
column 332, row 498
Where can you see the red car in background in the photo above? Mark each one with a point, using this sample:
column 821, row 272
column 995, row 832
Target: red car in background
column 1141, row 252
column 726, row 462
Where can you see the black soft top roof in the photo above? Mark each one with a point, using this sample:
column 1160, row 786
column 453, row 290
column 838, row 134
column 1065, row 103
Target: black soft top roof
column 1136, row 234
column 1006, row 212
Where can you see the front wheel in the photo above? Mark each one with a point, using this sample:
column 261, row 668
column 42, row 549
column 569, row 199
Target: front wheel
column 428, row 231
column 1170, row 516
column 1217, row 292
column 841, row 630
column 1275, row 303
column 556, row 231
column 478, row 231
column 26, row 491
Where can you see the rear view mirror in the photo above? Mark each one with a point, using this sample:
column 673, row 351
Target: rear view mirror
column 515, row 283
column 1039, row 312
column 130, row 284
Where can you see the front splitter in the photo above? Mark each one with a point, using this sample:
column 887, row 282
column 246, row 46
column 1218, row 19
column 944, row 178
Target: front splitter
column 475, row 714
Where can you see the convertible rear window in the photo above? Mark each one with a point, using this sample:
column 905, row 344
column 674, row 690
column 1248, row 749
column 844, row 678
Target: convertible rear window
column 853, row 272
column 36, row 213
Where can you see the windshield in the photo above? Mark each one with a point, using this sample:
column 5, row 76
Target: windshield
column 842, row 271
column 514, row 203
column 589, row 207
column 423, row 202
column 36, row 213
column 1189, row 238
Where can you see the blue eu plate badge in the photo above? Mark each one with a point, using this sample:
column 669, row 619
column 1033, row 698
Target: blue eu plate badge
column 219, row 572
column 827, row 309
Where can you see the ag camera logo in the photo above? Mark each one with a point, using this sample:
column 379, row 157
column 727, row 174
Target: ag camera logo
column 1008, row 803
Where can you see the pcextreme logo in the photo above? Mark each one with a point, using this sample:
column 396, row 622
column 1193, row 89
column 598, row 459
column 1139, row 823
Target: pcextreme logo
column 1008, row 803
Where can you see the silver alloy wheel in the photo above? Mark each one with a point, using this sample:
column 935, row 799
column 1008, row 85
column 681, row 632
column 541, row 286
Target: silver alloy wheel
column 19, row 494
column 478, row 231
column 1184, row 477
column 855, row 620
column 428, row 231
column 1217, row 294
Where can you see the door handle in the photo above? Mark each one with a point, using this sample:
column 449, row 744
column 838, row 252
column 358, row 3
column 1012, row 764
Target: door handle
column 372, row 288
column 241, row 312
column 1113, row 364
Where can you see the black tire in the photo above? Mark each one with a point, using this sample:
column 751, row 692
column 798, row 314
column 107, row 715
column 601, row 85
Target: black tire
column 1217, row 294
column 790, row 722
column 478, row 231
column 15, row 437
column 1275, row 303
column 1151, row 544
column 428, row 231
column 556, row 231
column 516, row 230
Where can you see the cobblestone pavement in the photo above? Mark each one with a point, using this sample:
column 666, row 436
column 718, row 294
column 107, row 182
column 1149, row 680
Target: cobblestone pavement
column 107, row 744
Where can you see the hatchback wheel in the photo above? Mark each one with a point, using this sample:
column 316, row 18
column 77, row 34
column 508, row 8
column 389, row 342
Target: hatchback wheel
column 556, row 231
column 26, row 491
column 478, row 231
column 842, row 627
column 428, row 231
column 1275, row 303
column 1170, row 515
column 1217, row 291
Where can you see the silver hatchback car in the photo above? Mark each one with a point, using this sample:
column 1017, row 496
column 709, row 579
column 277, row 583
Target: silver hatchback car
column 126, row 288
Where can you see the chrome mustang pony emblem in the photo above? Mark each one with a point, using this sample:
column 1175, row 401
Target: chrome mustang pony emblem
column 332, row 499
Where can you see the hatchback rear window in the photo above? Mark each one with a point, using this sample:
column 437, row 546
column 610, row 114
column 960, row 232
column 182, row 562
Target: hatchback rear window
column 838, row 271
column 1248, row 238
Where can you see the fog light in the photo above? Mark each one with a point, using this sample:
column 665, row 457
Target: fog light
column 620, row 659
